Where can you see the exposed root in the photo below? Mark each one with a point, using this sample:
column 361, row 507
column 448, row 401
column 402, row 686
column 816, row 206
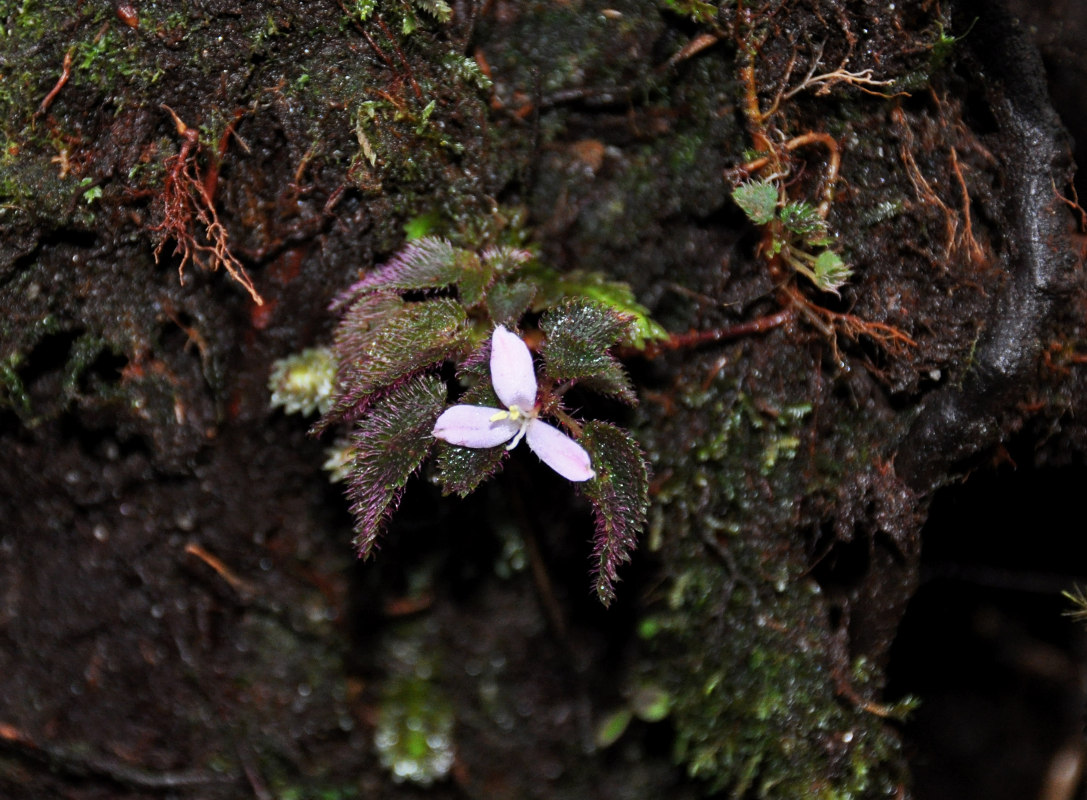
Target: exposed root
column 961, row 421
column 187, row 201
column 956, row 236
column 924, row 190
column 851, row 326
column 242, row 587
column 977, row 254
column 834, row 160
column 824, row 82
column 691, row 49
column 1073, row 204
column 795, row 304
column 775, row 162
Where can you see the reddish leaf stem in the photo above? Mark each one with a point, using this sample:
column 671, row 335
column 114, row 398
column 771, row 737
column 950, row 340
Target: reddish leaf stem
column 679, row 341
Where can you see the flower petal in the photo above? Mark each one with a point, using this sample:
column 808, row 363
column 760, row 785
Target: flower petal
column 472, row 426
column 512, row 373
column 559, row 451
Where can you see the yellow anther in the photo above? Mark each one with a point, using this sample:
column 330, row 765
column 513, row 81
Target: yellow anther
column 514, row 413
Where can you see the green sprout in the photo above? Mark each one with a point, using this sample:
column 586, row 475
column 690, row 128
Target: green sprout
column 757, row 199
column 798, row 233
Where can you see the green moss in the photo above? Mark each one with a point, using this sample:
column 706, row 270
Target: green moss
column 292, row 674
column 309, row 792
column 44, row 158
column 414, row 732
column 18, row 343
column 743, row 640
column 13, row 393
column 766, row 721
column 397, row 125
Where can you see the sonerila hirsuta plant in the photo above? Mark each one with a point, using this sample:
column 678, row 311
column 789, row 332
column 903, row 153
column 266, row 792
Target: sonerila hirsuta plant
column 436, row 305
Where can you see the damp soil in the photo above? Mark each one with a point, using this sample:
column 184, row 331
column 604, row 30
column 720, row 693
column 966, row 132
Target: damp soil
column 181, row 611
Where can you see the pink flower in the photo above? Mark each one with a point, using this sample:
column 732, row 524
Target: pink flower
column 514, row 380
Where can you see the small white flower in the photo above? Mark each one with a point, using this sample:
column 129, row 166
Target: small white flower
column 514, row 380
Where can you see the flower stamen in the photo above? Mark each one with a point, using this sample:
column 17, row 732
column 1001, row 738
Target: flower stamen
column 513, row 413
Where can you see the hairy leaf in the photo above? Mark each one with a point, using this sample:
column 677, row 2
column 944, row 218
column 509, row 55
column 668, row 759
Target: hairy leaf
column 579, row 335
column 414, row 337
column 595, row 286
column 366, row 315
column 426, row 263
column 803, row 219
column 506, row 260
column 389, row 444
column 831, row 272
column 459, row 470
column 758, row 199
column 474, row 279
column 620, row 496
column 506, row 302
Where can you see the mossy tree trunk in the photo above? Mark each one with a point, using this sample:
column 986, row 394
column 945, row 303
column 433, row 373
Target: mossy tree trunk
column 181, row 612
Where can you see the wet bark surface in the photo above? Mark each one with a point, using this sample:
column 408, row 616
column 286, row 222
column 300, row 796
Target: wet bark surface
column 181, row 612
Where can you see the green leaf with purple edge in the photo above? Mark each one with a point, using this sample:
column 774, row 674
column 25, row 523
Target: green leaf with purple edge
column 352, row 336
column 362, row 317
column 579, row 335
column 460, row 470
column 389, row 444
column 427, row 263
column 414, row 337
column 620, row 497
